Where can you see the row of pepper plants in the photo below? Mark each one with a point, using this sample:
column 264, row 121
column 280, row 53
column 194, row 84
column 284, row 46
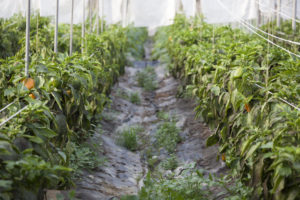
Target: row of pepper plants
column 64, row 97
column 258, row 135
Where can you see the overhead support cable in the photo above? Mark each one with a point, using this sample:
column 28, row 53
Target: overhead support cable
column 7, row 106
column 279, row 12
column 262, row 31
column 11, row 117
column 269, row 34
column 281, row 99
column 253, row 31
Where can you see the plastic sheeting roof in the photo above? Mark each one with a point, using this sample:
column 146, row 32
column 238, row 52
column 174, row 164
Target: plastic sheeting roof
column 150, row 13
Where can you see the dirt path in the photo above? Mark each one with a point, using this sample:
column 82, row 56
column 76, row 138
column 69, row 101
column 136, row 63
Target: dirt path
column 124, row 170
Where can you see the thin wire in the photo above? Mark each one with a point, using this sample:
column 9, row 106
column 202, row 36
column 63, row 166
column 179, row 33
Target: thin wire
column 7, row 106
column 281, row 99
column 11, row 117
column 250, row 29
column 283, row 14
column 274, row 36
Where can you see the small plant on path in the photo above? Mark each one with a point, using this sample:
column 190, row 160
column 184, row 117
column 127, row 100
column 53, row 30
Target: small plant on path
column 128, row 138
column 135, row 98
column 147, row 79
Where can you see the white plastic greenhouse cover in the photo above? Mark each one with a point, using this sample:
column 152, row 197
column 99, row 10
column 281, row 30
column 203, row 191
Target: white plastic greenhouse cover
column 152, row 13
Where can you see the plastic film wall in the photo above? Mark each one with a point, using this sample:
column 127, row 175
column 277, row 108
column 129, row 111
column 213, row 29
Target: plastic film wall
column 152, row 13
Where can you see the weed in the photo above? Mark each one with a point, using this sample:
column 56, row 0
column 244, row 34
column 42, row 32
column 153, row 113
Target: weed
column 192, row 184
column 84, row 156
column 128, row 138
column 130, row 197
column 170, row 163
column 163, row 115
column 108, row 116
column 122, row 94
column 135, row 98
column 152, row 162
column 147, row 79
column 167, row 136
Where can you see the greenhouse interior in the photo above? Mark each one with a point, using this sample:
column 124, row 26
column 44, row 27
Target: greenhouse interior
column 149, row 99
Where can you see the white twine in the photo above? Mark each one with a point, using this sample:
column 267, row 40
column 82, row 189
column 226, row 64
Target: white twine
column 11, row 117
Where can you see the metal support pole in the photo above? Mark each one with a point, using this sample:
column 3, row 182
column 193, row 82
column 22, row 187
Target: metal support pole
column 90, row 16
column 258, row 19
column 56, row 27
column 27, row 38
column 83, row 28
column 278, row 12
column 294, row 15
column 97, row 18
column 198, row 8
column 71, row 28
column 124, row 12
column 102, row 15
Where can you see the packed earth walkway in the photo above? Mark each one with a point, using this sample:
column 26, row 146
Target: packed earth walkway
column 124, row 170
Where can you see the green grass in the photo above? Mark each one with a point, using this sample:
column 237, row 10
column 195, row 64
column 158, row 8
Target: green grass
column 170, row 163
column 122, row 94
column 128, row 138
column 147, row 79
column 167, row 136
column 163, row 115
column 130, row 197
column 84, row 157
column 135, row 98
column 193, row 185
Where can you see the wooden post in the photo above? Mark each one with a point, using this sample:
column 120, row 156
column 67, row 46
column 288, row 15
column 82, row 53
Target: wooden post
column 294, row 15
column 27, row 45
column 56, row 27
column 71, row 28
column 83, row 27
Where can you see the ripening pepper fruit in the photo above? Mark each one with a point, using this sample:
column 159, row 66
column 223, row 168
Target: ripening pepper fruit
column 29, row 83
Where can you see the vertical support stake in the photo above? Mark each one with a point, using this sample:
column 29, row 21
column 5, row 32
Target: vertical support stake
column 258, row 19
column 278, row 12
column 294, row 15
column 56, row 27
column 102, row 15
column 71, row 28
column 83, row 28
column 124, row 12
column 97, row 18
column 27, row 38
column 198, row 8
column 90, row 16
